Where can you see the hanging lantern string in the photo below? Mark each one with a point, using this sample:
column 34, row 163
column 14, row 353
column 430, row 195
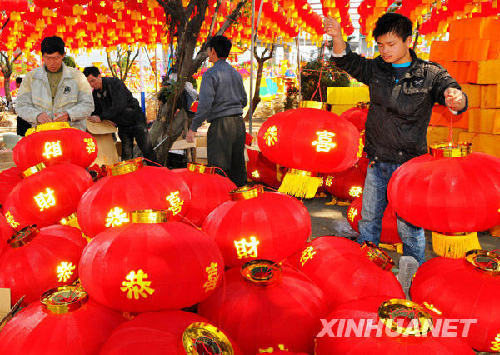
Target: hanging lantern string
column 322, row 61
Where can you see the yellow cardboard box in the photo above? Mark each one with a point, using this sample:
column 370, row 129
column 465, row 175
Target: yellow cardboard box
column 347, row 95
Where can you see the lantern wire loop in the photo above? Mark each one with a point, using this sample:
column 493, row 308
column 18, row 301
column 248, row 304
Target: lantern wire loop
column 125, row 167
column 484, row 260
column 447, row 150
column 49, row 126
column 246, row 192
column 149, row 216
column 261, row 272
column 24, row 236
column 204, row 338
column 64, row 299
column 377, row 256
column 33, row 169
column 396, row 312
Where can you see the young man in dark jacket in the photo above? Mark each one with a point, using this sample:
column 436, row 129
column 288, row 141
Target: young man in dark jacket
column 114, row 102
column 403, row 90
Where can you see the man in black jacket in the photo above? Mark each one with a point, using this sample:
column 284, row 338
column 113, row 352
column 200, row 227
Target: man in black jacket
column 114, row 102
column 403, row 90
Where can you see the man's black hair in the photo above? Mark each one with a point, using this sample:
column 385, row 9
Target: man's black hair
column 19, row 80
column 52, row 44
column 221, row 44
column 94, row 71
column 393, row 22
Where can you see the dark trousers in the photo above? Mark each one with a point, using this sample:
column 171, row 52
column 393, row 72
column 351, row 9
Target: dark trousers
column 22, row 126
column 140, row 132
column 226, row 147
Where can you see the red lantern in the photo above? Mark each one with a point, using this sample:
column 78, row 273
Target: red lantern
column 168, row 331
column 449, row 191
column 53, row 143
column 210, row 190
column 258, row 225
column 357, row 116
column 346, row 185
column 37, row 260
column 46, row 196
column 5, row 233
column 265, row 306
column 64, row 322
column 150, row 266
column 463, row 289
column 321, row 143
column 389, row 233
column 262, row 170
column 130, row 187
column 379, row 325
column 8, row 180
column 351, row 274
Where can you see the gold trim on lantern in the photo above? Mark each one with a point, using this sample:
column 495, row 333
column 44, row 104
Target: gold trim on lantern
column 454, row 245
column 33, row 169
column 23, row 237
column 210, row 337
column 377, row 256
column 64, row 299
column 313, row 104
column 395, row 308
column 451, row 151
column 70, row 220
column 149, row 216
column 246, row 192
column 49, row 126
column 125, row 167
column 493, row 261
column 300, row 183
column 261, row 272
column 200, row 168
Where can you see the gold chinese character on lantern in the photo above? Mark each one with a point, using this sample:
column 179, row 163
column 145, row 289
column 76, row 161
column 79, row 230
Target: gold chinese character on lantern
column 116, row 217
column 307, row 254
column 271, row 135
column 270, row 349
column 212, row 276
column 90, row 145
column 10, row 220
column 255, row 174
column 175, row 202
column 355, row 191
column 52, row 149
column 65, row 271
column 329, row 181
column 136, row 285
column 360, row 148
column 351, row 214
column 325, row 141
column 432, row 308
column 495, row 345
column 246, row 249
column 45, row 200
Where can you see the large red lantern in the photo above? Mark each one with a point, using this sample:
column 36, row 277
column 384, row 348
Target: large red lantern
column 8, row 180
column 47, row 195
column 131, row 186
column 357, row 116
column 264, row 305
column 262, row 170
column 64, row 322
column 351, row 274
column 309, row 141
column 37, row 260
column 6, row 232
column 347, row 185
column 165, row 332
column 449, row 191
column 380, row 325
column 209, row 188
column 150, row 265
column 258, row 225
column 53, row 143
column 463, row 289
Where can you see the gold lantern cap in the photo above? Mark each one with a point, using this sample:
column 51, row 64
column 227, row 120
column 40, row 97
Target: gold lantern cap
column 125, row 167
column 200, row 168
column 33, row 169
column 313, row 104
column 49, row 126
column 448, row 150
column 64, row 299
column 246, row 192
column 377, row 256
column 395, row 311
column 202, row 338
column 484, row 260
column 149, row 216
column 24, row 236
column 261, row 272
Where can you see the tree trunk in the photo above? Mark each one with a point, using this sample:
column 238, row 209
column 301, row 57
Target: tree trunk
column 6, row 85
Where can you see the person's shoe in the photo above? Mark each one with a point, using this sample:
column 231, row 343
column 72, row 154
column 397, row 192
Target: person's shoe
column 408, row 266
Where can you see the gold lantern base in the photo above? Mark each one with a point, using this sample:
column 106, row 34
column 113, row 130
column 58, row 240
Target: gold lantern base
column 300, row 183
column 454, row 245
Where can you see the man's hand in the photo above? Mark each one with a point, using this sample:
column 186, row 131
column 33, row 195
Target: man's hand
column 332, row 27
column 190, row 136
column 61, row 117
column 94, row 118
column 454, row 99
column 43, row 118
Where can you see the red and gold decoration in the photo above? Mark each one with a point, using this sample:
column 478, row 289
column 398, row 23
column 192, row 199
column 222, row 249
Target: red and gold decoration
column 209, row 188
column 38, row 259
column 151, row 265
column 383, row 325
column 9, row 178
column 55, row 142
column 65, row 321
column 347, row 185
column 258, row 225
column 357, row 116
column 6, row 232
column 131, row 186
column 353, row 272
column 262, row 170
column 309, row 141
column 264, row 306
column 46, row 195
column 177, row 332
column 465, row 289
column 452, row 192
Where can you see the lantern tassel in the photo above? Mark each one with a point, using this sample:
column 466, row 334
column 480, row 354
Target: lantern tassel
column 300, row 184
column 454, row 246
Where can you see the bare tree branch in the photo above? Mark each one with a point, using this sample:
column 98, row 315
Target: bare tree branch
column 214, row 20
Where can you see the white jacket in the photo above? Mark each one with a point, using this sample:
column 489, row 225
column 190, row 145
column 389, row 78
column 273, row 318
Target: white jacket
column 74, row 96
